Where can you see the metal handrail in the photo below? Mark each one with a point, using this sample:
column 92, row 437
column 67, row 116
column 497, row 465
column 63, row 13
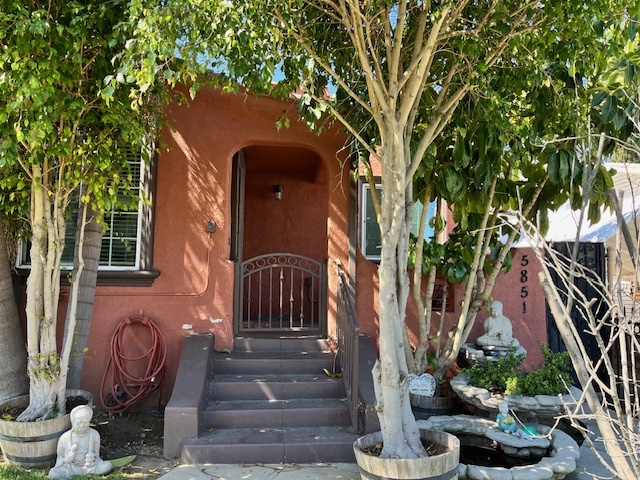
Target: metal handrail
column 348, row 333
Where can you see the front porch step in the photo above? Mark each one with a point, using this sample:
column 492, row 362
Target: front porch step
column 310, row 412
column 275, row 386
column 270, row 401
column 274, row 362
column 280, row 344
column 271, row 445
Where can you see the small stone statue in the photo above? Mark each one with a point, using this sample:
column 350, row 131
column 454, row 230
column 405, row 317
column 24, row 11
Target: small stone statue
column 79, row 448
column 497, row 329
column 507, row 423
column 505, row 420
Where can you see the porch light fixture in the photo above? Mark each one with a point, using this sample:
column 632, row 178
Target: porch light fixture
column 278, row 189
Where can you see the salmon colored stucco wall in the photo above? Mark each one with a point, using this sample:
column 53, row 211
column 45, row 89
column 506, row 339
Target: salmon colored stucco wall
column 194, row 292
column 529, row 327
column 297, row 222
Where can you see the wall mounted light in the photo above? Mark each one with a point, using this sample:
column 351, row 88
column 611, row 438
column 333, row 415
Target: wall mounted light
column 278, row 189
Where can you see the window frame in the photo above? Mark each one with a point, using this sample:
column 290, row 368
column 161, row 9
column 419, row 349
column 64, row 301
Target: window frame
column 142, row 272
column 365, row 187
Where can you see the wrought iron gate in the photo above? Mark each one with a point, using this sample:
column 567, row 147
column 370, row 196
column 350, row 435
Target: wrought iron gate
column 281, row 292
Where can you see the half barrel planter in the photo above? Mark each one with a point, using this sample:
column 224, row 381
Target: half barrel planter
column 440, row 467
column 34, row 444
column 424, row 407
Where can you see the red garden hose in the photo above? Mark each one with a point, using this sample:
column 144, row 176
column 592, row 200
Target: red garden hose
column 125, row 388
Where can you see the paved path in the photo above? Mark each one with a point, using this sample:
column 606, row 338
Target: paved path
column 588, row 468
column 333, row 471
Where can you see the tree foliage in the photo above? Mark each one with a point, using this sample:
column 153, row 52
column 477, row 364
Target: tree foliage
column 456, row 100
column 57, row 132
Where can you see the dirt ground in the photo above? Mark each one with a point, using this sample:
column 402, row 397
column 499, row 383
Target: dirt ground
column 135, row 433
column 126, row 434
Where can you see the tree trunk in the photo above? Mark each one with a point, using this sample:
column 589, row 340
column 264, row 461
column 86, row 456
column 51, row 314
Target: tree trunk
column 390, row 373
column 43, row 284
column 13, row 356
column 609, row 435
column 86, row 292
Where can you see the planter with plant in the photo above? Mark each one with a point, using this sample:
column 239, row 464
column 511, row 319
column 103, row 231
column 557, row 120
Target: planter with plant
column 544, row 391
column 442, row 461
column 449, row 259
column 63, row 157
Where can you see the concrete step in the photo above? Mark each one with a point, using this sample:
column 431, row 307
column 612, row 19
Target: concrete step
column 275, row 387
column 270, row 400
column 280, row 344
column 273, row 362
column 311, row 412
column 271, row 445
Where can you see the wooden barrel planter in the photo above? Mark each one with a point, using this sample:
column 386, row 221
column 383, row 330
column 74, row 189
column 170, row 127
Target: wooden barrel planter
column 34, row 444
column 424, row 407
column 436, row 467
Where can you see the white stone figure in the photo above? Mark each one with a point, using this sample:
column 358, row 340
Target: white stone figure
column 505, row 420
column 507, row 423
column 497, row 329
column 79, row 448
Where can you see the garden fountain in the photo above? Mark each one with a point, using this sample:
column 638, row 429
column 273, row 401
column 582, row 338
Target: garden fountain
column 496, row 342
column 554, row 457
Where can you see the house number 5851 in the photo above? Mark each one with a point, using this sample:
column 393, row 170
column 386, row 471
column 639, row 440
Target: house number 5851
column 524, row 279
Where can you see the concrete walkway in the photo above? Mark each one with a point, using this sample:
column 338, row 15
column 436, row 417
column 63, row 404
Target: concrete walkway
column 588, row 468
column 330, row 471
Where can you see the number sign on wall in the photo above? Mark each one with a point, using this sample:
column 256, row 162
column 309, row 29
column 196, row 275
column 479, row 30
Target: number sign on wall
column 524, row 280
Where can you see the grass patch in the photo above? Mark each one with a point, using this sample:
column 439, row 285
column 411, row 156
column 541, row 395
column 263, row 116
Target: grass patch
column 11, row 472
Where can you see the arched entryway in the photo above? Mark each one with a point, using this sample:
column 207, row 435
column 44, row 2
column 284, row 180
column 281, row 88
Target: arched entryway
column 279, row 243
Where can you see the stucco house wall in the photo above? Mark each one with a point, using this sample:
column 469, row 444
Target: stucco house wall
column 526, row 308
column 194, row 290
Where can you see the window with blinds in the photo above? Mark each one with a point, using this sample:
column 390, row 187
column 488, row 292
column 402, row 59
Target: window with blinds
column 120, row 247
column 121, row 239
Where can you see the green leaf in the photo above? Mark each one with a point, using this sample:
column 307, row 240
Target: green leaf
column 598, row 98
column 619, row 119
column 609, row 109
column 122, row 461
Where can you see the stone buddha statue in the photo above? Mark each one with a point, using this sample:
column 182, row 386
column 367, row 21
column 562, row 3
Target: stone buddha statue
column 79, row 448
column 497, row 330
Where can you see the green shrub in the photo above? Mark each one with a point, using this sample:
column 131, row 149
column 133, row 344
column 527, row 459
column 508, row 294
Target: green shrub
column 495, row 376
column 503, row 376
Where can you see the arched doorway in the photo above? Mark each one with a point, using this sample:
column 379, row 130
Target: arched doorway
column 279, row 241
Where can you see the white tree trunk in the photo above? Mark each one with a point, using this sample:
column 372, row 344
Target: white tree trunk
column 85, row 294
column 602, row 418
column 47, row 243
column 399, row 428
column 72, row 311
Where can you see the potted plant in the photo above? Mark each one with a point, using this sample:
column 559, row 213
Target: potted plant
column 444, row 260
column 441, row 461
column 62, row 155
column 540, row 394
